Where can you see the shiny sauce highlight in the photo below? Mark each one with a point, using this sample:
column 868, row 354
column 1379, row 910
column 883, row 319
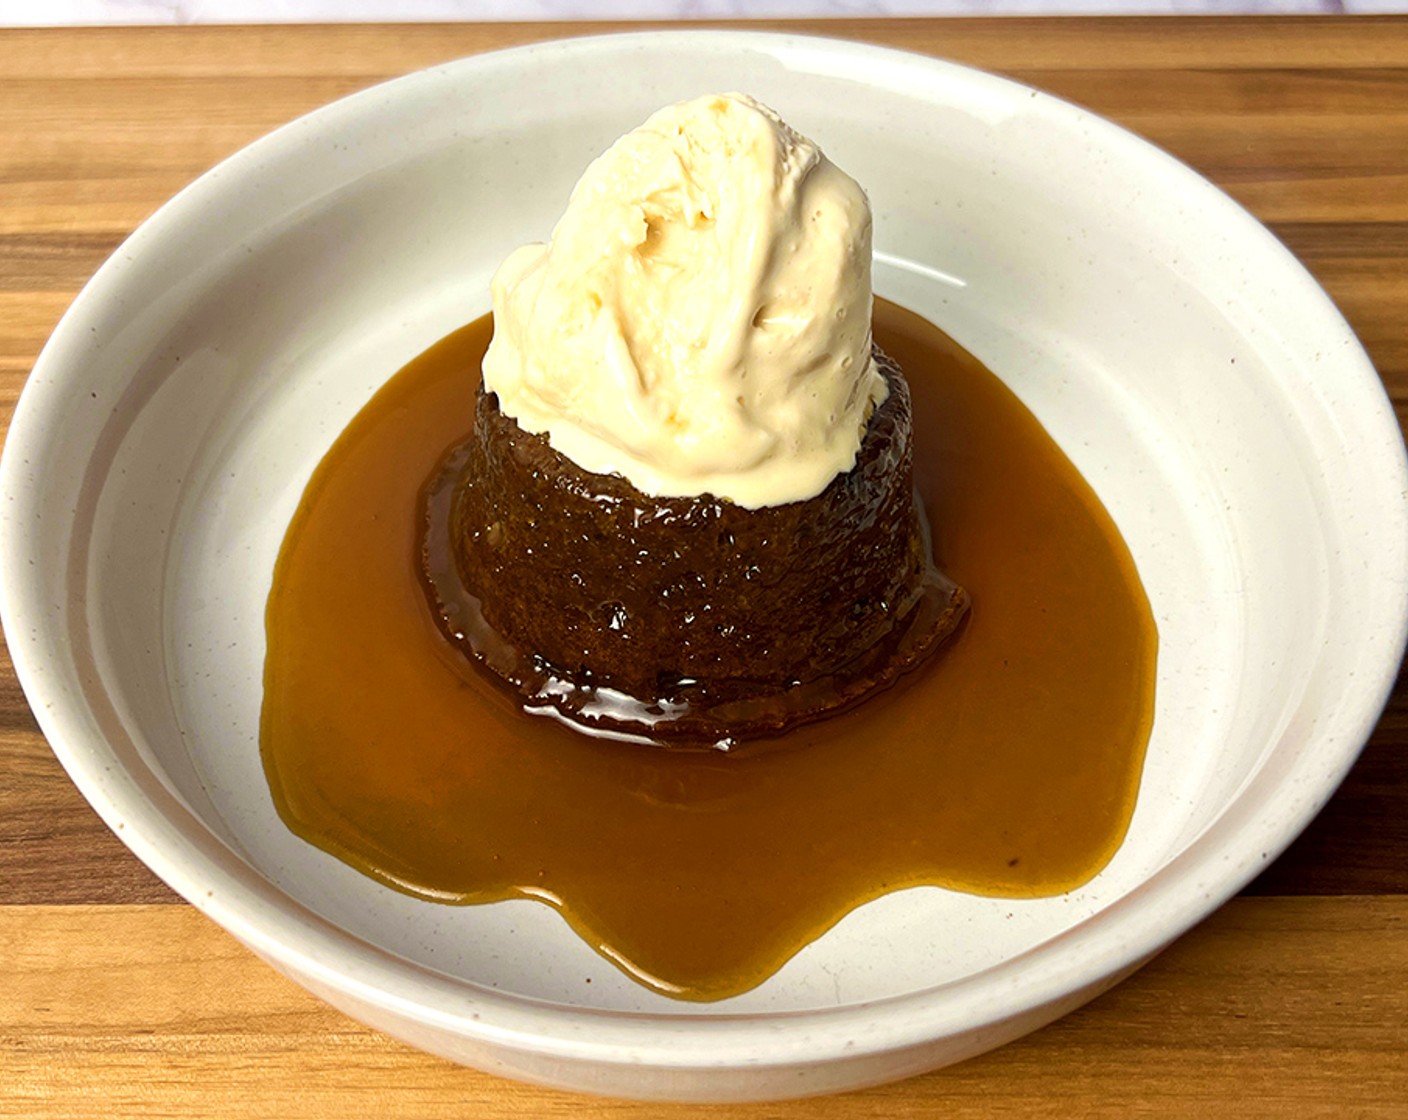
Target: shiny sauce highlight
column 1008, row 764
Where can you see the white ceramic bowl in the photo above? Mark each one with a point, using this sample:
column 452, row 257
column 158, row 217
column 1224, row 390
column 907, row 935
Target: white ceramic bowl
column 1188, row 365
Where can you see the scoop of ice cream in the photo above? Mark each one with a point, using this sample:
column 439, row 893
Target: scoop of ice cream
column 700, row 320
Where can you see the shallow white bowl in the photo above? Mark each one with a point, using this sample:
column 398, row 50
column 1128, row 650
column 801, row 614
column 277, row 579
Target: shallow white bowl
column 1188, row 365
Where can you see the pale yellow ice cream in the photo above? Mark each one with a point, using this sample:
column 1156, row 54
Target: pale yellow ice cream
column 700, row 320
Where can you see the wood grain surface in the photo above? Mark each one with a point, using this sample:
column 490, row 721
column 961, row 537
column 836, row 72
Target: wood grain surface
column 118, row 1000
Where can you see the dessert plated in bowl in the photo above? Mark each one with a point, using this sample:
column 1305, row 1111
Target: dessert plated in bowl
column 1191, row 371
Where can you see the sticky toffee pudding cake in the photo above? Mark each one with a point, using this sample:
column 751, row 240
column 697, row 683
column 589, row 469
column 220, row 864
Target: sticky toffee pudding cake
column 690, row 620
column 687, row 508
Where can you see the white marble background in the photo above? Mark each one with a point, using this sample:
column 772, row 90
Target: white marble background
column 57, row 12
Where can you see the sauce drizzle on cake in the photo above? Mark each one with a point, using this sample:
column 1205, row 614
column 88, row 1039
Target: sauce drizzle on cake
column 1007, row 766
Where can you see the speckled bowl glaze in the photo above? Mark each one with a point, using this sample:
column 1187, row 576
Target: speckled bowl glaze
column 1189, row 366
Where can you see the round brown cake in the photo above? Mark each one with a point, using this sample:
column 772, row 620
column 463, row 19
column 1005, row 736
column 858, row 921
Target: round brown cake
column 684, row 621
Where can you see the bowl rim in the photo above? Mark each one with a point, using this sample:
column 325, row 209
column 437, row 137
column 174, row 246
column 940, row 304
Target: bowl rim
column 193, row 861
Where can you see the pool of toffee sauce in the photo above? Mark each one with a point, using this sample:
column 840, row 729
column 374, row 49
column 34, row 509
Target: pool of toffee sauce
column 1006, row 765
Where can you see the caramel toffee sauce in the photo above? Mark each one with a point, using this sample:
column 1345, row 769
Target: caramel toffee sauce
column 1007, row 764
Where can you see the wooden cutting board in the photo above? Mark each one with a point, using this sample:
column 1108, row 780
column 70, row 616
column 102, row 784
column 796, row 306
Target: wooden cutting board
column 116, row 999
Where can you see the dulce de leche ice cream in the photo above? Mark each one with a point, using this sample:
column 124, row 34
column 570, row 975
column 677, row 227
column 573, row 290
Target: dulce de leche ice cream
column 700, row 320
column 686, row 513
